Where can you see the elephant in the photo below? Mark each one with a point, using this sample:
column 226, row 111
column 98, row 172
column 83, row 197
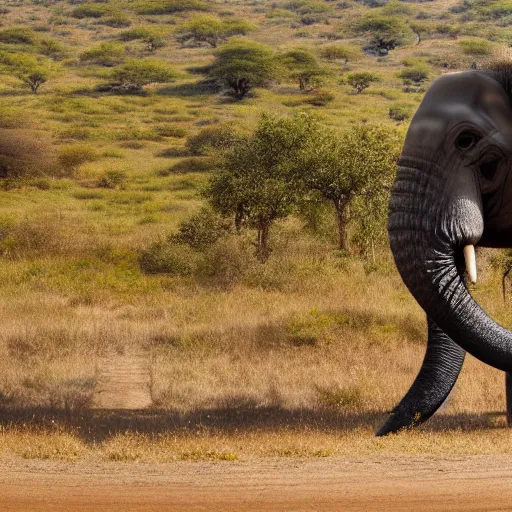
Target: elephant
column 453, row 191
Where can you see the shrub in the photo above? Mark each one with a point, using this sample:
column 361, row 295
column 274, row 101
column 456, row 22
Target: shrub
column 170, row 6
column 17, row 35
column 415, row 75
column 116, row 20
column 165, row 257
column 106, row 54
column 24, row 153
column 361, row 81
column 321, row 98
column 138, row 73
column 192, row 165
column 51, row 48
column 95, row 10
column 151, row 37
column 226, row 262
column 340, row 52
column 202, row 229
column 476, row 47
column 399, row 112
column 170, row 130
column 112, row 179
column 72, row 157
column 220, row 137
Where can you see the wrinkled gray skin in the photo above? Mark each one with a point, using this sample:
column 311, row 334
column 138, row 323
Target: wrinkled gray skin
column 453, row 188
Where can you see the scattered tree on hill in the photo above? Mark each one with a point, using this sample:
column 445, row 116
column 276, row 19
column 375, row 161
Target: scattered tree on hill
column 242, row 65
column 304, row 67
column 32, row 71
column 212, row 30
column 359, row 163
column 151, row 38
column 386, row 32
column 256, row 182
column 361, row 81
column 135, row 74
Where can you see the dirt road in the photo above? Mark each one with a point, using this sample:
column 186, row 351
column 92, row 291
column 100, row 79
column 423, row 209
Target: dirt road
column 479, row 483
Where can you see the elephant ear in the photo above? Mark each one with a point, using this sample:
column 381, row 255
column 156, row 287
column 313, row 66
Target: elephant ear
column 501, row 70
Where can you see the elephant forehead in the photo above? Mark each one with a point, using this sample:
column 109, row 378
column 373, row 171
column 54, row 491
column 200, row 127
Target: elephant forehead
column 467, row 97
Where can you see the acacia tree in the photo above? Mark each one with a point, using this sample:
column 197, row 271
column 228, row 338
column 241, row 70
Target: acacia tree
column 257, row 180
column 304, row 67
column 359, row 163
column 31, row 70
column 135, row 74
column 242, row 65
column 362, row 80
column 212, row 30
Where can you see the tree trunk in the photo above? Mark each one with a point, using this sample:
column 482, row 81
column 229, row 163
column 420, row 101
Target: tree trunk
column 263, row 250
column 341, row 206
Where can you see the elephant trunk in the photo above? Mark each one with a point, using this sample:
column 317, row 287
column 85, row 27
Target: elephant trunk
column 439, row 371
column 432, row 218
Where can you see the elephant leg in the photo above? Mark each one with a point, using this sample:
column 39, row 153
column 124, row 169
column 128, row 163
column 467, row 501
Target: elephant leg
column 508, row 394
column 438, row 374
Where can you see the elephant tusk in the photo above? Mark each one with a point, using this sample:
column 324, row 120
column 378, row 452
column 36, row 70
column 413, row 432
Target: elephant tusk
column 469, row 257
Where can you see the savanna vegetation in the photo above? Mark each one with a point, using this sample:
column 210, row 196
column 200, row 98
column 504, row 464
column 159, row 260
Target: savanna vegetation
column 206, row 182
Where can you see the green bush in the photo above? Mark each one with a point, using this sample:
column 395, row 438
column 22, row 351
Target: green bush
column 226, row 262
column 320, row 98
column 202, row 229
column 96, row 10
column 151, row 37
column 106, row 54
column 171, row 130
column 340, row 52
column 192, row 165
column 415, row 75
column 17, row 35
column 112, row 179
column 116, row 20
column 169, row 6
column 217, row 137
column 164, row 257
column 72, row 157
column 476, row 47
column 399, row 112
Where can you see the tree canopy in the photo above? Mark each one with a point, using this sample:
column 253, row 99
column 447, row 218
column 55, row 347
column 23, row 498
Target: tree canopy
column 212, row 30
column 242, row 65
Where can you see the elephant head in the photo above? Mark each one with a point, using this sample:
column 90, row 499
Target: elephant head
column 453, row 191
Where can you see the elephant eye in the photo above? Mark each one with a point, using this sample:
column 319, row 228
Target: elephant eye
column 466, row 140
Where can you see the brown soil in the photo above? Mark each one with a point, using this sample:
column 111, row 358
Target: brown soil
column 478, row 483
column 124, row 382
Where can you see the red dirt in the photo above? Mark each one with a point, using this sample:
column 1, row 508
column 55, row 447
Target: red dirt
column 419, row 484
